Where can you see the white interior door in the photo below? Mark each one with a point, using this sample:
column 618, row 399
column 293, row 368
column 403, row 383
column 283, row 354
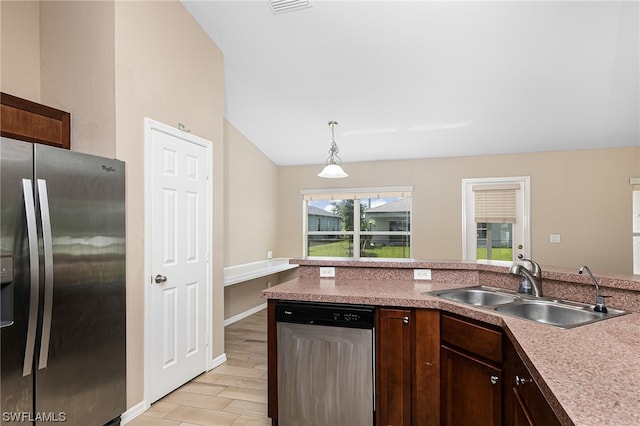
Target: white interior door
column 178, row 247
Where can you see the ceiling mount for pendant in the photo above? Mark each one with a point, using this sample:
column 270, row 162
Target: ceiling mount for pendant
column 332, row 169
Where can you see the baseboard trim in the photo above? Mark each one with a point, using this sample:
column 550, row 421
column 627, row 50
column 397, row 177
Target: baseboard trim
column 217, row 361
column 244, row 314
column 134, row 412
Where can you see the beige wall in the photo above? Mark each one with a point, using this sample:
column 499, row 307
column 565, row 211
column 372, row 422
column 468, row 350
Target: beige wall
column 251, row 215
column 167, row 69
column 242, row 297
column 584, row 196
column 20, row 49
column 251, row 209
column 77, row 48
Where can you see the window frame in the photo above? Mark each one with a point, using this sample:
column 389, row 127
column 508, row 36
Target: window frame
column 357, row 233
column 635, row 225
column 521, row 239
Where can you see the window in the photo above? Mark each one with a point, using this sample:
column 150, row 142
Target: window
column 495, row 222
column 358, row 222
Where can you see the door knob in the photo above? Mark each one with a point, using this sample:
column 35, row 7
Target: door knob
column 159, row 279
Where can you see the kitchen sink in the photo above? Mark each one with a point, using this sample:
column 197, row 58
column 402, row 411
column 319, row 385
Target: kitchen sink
column 555, row 312
column 477, row 296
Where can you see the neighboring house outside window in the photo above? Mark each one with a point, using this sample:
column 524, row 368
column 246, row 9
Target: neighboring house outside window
column 360, row 222
column 322, row 220
column 394, row 216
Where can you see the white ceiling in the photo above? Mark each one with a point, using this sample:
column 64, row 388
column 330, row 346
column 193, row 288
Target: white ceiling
column 422, row 79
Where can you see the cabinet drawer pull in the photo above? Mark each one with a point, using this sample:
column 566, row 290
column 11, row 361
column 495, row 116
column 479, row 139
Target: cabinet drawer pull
column 494, row 380
column 521, row 380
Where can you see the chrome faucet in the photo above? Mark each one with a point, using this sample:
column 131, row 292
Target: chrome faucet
column 534, row 276
column 599, row 307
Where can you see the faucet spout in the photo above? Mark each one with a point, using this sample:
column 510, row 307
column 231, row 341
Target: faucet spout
column 534, row 276
column 600, row 306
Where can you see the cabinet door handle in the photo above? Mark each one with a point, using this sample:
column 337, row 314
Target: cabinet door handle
column 494, row 380
column 405, row 320
column 521, row 380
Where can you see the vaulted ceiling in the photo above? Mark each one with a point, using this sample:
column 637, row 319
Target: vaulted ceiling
column 420, row 79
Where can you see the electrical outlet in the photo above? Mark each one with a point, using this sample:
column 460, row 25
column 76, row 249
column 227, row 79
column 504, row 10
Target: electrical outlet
column 269, row 254
column 554, row 238
column 422, row 274
column 327, row 272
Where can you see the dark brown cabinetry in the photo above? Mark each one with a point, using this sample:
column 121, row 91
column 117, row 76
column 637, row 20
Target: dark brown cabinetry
column 470, row 372
column 408, row 367
column 32, row 122
column 524, row 403
column 393, row 384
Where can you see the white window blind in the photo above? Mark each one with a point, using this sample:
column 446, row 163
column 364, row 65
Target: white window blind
column 495, row 203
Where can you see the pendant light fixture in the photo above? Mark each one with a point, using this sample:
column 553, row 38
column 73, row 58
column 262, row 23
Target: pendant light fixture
column 332, row 169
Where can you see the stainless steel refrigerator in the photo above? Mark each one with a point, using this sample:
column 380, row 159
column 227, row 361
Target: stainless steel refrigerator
column 62, row 293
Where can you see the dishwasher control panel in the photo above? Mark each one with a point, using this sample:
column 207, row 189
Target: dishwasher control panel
column 330, row 314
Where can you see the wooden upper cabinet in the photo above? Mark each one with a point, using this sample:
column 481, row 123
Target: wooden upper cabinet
column 32, row 122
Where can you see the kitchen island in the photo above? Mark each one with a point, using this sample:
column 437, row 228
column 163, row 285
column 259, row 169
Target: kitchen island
column 588, row 374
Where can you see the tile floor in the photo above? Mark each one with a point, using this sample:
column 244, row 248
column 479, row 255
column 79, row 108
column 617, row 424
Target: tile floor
column 234, row 393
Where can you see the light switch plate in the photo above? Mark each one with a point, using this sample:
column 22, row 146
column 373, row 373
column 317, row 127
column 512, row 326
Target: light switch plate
column 327, row 272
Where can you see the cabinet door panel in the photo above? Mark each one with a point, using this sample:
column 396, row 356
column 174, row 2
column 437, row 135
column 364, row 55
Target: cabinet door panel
column 425, row 401
column 471, row 390
column 32, row 122
column 520, row 412
column 524, row 403
column 393, row 381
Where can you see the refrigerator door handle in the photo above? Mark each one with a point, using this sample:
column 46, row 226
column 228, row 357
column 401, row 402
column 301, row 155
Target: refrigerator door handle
column 48, row 272
column 34, row 273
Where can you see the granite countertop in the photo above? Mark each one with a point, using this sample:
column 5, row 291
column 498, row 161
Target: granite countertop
column 590, row 373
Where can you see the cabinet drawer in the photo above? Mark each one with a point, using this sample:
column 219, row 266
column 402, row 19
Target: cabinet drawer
column 472, row 337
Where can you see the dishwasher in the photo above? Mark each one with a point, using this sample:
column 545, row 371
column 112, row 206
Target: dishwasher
column 325, row 364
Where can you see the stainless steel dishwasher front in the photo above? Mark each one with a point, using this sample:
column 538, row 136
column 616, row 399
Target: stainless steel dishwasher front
column 325, row 364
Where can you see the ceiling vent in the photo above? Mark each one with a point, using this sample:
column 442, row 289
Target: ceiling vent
column 281, row 6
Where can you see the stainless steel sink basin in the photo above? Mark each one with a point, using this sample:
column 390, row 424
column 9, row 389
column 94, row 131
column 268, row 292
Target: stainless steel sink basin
column 556, row 312
column 477, row 296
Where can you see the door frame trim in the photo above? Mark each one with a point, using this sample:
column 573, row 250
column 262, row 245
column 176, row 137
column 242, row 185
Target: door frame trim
column 525, row 186
column 149, row 126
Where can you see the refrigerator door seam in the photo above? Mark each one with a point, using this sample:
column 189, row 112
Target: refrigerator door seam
column 43, row 197
column 32, row 236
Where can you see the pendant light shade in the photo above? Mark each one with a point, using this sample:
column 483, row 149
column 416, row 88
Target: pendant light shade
column 332, row 169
